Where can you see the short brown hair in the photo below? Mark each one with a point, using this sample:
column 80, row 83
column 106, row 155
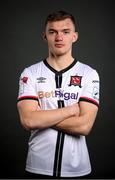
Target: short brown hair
column 59, row 15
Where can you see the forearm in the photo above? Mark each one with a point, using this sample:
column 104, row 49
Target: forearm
column 40, row 119
column 70, row 125
column 47, row 118
column 81, row 123
column 76, row 125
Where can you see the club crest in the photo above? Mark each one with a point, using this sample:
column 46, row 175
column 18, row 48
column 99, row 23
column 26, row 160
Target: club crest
column 75, row 81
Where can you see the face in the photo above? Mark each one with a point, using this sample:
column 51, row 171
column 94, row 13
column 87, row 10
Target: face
column 60, row 36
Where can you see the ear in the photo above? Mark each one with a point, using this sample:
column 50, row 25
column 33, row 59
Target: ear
column 44, row 36
column 75, row 37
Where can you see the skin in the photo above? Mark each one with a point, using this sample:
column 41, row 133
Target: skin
column 60, row 36
column 75, row 119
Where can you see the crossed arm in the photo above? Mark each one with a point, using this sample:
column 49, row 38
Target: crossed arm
column 74, row 119
column 82, row 123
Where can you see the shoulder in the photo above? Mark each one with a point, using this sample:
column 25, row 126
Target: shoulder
column 89, row 74
column 85, row 66
column 86, row 69
column 34, row 68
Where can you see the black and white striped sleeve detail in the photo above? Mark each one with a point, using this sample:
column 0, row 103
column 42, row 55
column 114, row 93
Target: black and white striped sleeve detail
column 27, row 98
column 86, row 99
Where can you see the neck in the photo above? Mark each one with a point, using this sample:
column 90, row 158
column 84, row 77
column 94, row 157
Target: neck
column 60, row 62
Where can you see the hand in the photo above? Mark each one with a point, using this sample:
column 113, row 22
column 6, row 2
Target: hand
column 74, row 109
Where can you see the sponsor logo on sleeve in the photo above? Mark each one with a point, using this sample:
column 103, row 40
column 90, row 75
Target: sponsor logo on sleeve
column 95, row 93
column 24, row 80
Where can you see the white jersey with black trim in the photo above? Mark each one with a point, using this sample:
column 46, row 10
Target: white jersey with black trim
column 53, row 152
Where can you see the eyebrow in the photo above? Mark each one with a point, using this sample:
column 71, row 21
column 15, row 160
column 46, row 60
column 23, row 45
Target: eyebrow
column 51, row 29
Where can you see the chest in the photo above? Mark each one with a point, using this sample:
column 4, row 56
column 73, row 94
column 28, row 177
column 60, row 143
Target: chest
column 52, row 87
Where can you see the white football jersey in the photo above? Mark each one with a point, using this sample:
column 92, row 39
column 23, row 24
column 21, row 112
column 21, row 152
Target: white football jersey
column 53, row 152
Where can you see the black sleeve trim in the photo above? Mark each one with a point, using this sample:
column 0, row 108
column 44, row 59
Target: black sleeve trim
column 89, row 100
column 27, row 98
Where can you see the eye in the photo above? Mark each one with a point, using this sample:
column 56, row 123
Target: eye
column 51, row 32
column 66, row 32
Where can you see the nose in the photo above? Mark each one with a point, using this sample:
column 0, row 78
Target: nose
column 59, row 37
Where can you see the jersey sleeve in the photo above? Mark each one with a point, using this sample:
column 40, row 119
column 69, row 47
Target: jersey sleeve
column 90, row 92
column 27, row 86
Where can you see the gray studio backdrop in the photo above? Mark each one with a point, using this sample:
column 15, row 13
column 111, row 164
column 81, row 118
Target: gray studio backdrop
column 21, row 45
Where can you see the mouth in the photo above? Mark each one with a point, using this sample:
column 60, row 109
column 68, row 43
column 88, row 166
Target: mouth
column 59, row 45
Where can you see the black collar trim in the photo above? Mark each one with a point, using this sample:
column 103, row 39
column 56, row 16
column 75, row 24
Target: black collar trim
column 63, row 70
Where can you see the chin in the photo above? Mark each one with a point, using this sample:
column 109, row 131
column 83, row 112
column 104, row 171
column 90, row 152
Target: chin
column 59, row 53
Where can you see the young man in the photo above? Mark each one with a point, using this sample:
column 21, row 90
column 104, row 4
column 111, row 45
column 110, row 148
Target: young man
column 58, row 101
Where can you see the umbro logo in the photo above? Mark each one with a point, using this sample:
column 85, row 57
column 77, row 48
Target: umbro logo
column 41, row 80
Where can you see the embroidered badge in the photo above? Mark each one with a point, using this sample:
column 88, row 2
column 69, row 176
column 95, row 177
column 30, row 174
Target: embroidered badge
column 75, row 81
column 24, row 79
